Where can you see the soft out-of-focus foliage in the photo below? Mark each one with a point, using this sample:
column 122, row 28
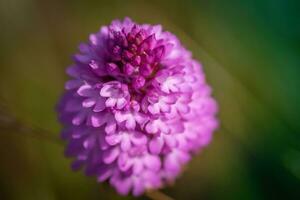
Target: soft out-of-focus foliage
column 250, row 52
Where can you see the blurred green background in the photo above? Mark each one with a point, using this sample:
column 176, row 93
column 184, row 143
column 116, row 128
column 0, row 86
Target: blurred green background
column 250, row 51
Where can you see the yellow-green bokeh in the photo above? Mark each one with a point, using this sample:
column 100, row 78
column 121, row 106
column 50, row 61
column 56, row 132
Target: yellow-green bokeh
column 249, row 50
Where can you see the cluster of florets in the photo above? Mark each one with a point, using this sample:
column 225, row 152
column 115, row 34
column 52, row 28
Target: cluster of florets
column 137, row 107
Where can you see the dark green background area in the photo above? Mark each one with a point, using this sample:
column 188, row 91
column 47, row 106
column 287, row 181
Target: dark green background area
column 250, row 53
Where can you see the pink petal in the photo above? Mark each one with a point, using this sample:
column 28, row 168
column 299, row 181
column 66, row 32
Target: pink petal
column 110, row 102
column 123, row 186
column 169, row 99
column 183, row 157
column 141, row 118
column 98, row 120
column 138, row 139
column 163, row 127
column 73, row 105
column 171, row 164
column 124, row 162
column 120, row 117
column 102, row 143
column 153, row 109
column 113, row 139
column 106, row 90
column 110, row 155
column 151, row 128
column 183, row 108
column 170, row 140
column 155, row 145
column 165, row 107
column 82, row 58
column 121, row 103
column 86, row 91
column 79, row 118
column 138, row 187
column 152, row 162
column 104, row 175
column 125, row 144
column 130, row 123
column 100, row 105
column 87, row 103
column 72, row 84
column 110, row 127
column 138, row 167
column 89, row 142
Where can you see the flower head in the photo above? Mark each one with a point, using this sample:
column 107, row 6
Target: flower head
column 136, row 108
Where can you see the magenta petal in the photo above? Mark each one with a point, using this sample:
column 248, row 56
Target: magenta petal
column 110, row 155
column 124, row 162
column 138, row 166
column 102, row 143
column 73, row 106
column 129, row 69
column 152, row 162
column 88, row 102
column 79, row 118
column 124, row 186
column 72, row 84
column 170, row 140
column 120, row 117
column 165, row 108
column 98, row 120
column 100, row 105
column 151, row 128
column 121, row 103
column 183, row 157
column 159, row 52
column 85, row 91
column 125, row 144
column 81, row 58
column 138, row 139
column 153, row 109
column 171, row 164
column 104, row 175
column 113, row 139
column 110, row 102
column 156, row 145
column 138, row 187
column 110, row 127
column 130, row 123
column 106, row 91
column 152, row 180
column 89, row 142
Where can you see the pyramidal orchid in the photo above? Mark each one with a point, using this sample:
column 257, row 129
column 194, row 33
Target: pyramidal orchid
column 136, row 108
